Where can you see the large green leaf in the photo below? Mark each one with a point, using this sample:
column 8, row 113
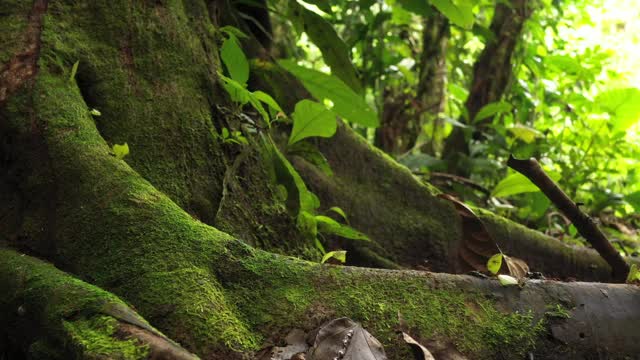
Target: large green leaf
column 420, row 7
column 459, row 12
column 492, row 109
column 524, row 133
column 623, row 105
column 311, row 119
column 234, row 59
column 346, row 103
column 329, row 226
column 517, row 183
column 334, row 51
column 634, row 200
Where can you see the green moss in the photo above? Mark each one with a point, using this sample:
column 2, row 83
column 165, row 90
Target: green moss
column 469, row 321
column 147, row 69
column 13, row 24
column 95, row 338
column 120, row 233
column 54, row 315
column 271, row 292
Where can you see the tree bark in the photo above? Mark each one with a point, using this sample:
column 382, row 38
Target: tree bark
column 142, row 227
column 404, row 114
column 492, row 72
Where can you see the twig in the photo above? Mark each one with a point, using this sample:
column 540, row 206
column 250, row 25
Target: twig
column 455, row 178
column 583, row 223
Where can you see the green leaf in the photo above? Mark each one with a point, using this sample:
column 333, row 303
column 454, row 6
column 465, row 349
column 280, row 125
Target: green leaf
column 235, row 60
column 634, row 200
column 340, row 255
column 494, row 263
column 95, row 112
column 459, row 12
column 492, row 109
column 329, row 226
column 74, row 70
column 236, row 91
column 312, row 119
column 241, row 95
column 334, row 51
column 506, row 280
column 525, row 133
column 299, row 198
column 419, row 7
column 346, row 103
column 623, row 105
column 307, row 224
column 310, row 153
column 484, row 32
column 232, row 30
column 120, row 150
column 267, row 99
column 634, row 274
column 339, row 211
column 517, row 183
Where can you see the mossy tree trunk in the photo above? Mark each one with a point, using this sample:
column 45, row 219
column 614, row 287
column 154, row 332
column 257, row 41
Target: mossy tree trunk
column 160, row 229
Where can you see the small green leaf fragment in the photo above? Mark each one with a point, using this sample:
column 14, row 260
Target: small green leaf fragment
column 634, row 274
column 340, row 255
column 339, row 211
column 120, row 150
column 506, row 280
column 492, row 109
column 327, row 225
column 95, row 112
column 494, row 263
column 74, row 70
column 525, row 133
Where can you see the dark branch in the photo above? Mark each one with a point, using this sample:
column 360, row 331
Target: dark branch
column 583, row 223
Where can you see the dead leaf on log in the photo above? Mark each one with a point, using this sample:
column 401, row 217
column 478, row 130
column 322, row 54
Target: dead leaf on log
column 344, row 339
column 517, row 267
column 296, row 344
column 419, row 351
column 477, row 245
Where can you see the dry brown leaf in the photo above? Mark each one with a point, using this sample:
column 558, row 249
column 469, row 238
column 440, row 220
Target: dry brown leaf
column 420, row 352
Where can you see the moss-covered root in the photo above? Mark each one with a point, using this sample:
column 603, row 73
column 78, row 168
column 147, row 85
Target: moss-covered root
column 411, row 224
column 48, row 314
column 474, row 316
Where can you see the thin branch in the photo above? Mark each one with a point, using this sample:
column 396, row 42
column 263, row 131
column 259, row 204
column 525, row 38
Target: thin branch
column 583, row 223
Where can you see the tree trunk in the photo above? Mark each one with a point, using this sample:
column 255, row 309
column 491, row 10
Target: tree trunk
column 147, row 228
column 404, row 113
column 492, row 73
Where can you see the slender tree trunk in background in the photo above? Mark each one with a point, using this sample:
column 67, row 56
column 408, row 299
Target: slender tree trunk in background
column 193, row 234
column 433, row 76
column 404, row 114
column 492, row 73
